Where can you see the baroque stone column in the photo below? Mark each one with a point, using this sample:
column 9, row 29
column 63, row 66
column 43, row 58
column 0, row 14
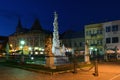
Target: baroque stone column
column 56, row 42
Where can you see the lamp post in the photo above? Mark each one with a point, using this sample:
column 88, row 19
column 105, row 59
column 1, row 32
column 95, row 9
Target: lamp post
column 30, row 51
column 96, row 64
column 22, row 54
column 91, row 52
column 7, row 51
column 75, row 62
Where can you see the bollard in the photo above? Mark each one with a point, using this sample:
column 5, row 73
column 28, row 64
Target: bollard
column 96, row 68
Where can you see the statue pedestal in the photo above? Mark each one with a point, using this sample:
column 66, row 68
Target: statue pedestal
column 87, row 54
column 59, row 60
column 50, row 62
column 87, row 59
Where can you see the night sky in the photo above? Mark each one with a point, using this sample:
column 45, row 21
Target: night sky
column 72, row 14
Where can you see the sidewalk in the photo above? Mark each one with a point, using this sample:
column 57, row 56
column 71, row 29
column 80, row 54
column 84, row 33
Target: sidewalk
column 107, row 71
column 82, row 76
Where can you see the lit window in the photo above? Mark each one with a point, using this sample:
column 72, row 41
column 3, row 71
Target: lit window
column 41, row 52
column 36, row 53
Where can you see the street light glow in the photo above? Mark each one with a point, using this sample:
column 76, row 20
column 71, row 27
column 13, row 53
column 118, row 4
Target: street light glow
column 30, row 48
column 95, row 49
column 21, row 47
column 42, row 49
column 22, row 42
column 91, row 48
column 32, row 58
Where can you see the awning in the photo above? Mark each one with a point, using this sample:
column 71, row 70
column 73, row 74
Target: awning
column 110, row 51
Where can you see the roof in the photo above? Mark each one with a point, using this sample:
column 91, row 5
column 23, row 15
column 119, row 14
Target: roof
column 72, row 34
column 36, row 25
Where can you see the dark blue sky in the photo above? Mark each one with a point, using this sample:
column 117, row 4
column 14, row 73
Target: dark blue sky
column 72, row 14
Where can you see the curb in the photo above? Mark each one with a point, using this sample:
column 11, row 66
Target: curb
column 61, row 72
column 40, row 71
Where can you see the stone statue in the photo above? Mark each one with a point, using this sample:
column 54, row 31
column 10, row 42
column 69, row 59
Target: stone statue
column 48, row 46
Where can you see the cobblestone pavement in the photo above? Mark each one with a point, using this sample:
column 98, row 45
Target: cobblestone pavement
column 107, row 71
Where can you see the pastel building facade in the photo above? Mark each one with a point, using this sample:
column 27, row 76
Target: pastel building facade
column 103, row 38
column 112, row 36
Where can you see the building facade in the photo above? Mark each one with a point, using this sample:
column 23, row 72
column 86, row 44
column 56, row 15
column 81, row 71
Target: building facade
column 74, row 41
column 94, row 38
column 3, row 43
column 103, row 38
column 34, row 38
column 112, row 36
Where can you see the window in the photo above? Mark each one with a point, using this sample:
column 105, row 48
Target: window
column 99, row 31
column 66, row 44
column 115, row 28
column 93, row 41
column 70, row 44
column 75, row 44
column 108, row 29
column 87, row 33
column 93, row 31
column 81, row 44
column 108, row 40
column 115, row 40
column 99, row 42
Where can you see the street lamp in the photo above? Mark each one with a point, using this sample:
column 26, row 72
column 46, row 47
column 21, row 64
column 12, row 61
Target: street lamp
column 22, row 42
column 96, row 64
column 30, row 48
column 91, row 48
column 91, row 52
column 75, row 62
column 22, row 54
column 22, row 45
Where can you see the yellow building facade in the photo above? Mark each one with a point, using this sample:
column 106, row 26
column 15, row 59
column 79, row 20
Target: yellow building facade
column 94, row 38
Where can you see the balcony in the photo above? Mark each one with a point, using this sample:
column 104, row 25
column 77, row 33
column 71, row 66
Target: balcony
column 93, row 44
column 93, row 35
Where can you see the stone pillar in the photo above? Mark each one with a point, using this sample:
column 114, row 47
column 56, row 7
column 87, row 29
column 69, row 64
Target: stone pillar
column 50, row 62
column 7, row 51
column 105, row 53
column 87, row 55
column 22, row 57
